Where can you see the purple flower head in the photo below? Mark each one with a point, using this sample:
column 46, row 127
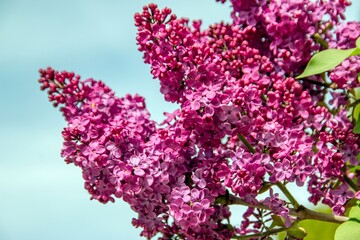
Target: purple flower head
column 93, row 150
column 244, row 122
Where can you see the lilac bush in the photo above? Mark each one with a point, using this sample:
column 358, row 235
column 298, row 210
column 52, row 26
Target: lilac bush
column 245, row 126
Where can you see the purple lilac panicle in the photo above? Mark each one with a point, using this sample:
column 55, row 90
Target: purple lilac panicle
column 231, row 80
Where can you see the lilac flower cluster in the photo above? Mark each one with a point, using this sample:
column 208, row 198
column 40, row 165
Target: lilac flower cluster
column 244, row 122
column 286, row 27
column 346, row 74
column 122, row 154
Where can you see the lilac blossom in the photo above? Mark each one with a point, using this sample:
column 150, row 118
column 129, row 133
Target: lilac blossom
column 244, row 123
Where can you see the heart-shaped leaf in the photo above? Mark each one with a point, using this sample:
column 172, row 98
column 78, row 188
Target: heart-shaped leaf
column 349, row 230
column 326, row 60
column 358, row 42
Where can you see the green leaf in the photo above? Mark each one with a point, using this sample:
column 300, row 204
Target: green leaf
column 355, row 212
column 349, row 230
column 277, row 221
column 355, row 92
column 326, row 60
column 265, row 187
column 351, row 202
column 230, row 227
column 316, row 230
column 296, row 231
column 355, row 52
column 356, row 112
column 358, row 42
column 357, row 127
column 221, row 200
column 353, row 169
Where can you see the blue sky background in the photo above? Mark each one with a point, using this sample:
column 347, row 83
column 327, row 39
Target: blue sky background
column 40, row 196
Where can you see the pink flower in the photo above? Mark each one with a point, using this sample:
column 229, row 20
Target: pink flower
column 93, row 150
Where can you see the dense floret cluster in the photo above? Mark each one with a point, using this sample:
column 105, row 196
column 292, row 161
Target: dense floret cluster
column 244, row 124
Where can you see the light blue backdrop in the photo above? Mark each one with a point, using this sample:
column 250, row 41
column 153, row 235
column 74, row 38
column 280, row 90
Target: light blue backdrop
column 41, row 197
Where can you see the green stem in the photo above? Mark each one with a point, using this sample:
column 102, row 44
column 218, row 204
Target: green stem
column 301, row 212
column 264, row 234
column 354, row 103
column 291, row 198
column 351, row 183
column 328, row 27
column 320, row 40
column 247, row 144
column 59, row 85
column 304, row 213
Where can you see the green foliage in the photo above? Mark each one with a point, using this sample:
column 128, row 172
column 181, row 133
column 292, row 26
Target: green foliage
column 328, row 59
column 355, row 213
column 296, row 231
column 277, row 221
column 319, row 230
column 350, row 230
column 355, row 108
column 355, row 168
column 357, row 127
column 316, row 230
column 266, row 186
column 355, row 96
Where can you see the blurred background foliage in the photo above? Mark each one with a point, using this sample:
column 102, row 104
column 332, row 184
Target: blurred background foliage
column 316, row 230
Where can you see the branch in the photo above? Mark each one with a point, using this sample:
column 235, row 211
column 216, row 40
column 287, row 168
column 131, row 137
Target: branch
column 264, row 234
column 305, row 213
column 301, row 212
column 291, row 198
column 351, row 183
